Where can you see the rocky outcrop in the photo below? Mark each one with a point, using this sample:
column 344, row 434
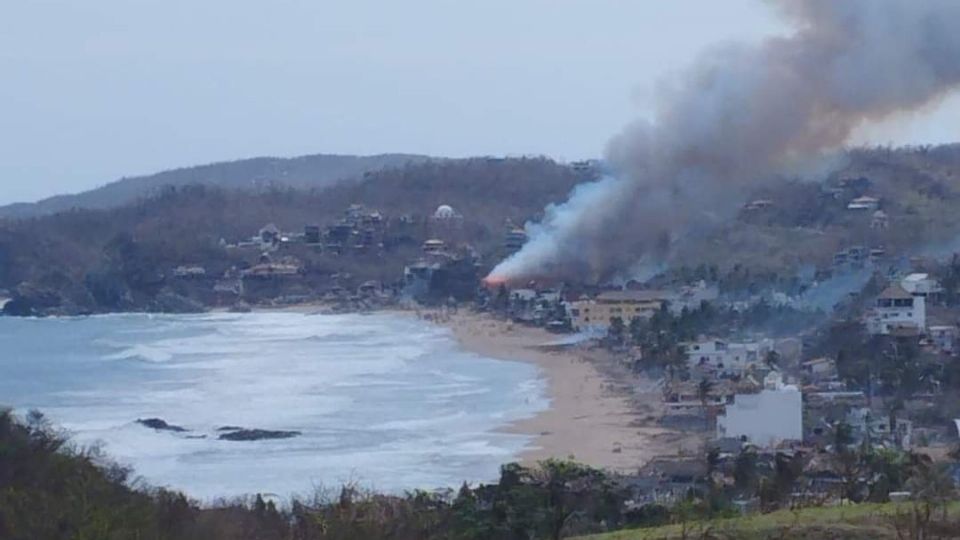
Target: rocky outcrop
column 255, row 434
column 160, row 425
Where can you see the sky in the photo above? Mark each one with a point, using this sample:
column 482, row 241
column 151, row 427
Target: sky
column 96, row 90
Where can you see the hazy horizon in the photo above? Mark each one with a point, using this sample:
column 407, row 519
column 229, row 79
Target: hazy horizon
column 103, row 90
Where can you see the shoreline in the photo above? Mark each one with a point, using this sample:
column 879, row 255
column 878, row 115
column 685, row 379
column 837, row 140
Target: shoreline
column 592, row 419
column 599, row 413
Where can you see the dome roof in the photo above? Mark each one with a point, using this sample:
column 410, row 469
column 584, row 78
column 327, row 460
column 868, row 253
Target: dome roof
column 445, row 212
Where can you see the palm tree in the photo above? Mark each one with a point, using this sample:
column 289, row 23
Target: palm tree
column 704, row 389
column 772, row 360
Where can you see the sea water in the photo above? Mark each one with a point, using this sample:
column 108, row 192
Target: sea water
column 384, row 401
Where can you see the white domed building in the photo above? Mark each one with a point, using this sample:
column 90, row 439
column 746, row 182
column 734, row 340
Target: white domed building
column 445, row 223
column 446, row 213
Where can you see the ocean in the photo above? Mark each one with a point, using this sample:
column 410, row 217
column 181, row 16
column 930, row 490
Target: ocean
column 384, row 401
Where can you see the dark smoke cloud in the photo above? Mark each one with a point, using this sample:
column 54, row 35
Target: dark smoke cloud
column 740, row 118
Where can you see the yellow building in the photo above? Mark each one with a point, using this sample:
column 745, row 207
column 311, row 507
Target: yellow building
column 597, row 312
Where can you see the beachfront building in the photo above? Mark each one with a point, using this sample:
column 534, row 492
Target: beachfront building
column 596, row 313
column 765, row 419
column 726, row 359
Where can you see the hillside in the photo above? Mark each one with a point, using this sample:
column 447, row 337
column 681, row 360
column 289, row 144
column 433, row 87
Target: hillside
column 305, row 172
column 863, row 521
column 122, row 258
column 798, row 223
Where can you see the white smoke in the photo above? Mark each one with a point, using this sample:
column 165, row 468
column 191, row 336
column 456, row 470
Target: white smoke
column 743, row 117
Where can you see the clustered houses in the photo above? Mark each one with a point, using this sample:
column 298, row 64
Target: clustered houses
column 276, row 265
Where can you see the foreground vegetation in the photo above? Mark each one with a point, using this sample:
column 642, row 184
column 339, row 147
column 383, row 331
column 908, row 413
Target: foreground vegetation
column 50, row 489
column 866, row 521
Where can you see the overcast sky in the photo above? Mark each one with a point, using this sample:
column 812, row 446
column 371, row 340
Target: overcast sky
column 98, row 89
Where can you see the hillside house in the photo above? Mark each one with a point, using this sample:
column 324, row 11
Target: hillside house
column 434, row 246
column 758, row 204
column 895, row 310
column 267, row 269
column 923, row 285
column 514, row 239
column 944, row 338
column 446, row 214
column 311, row 234
column 864, row 203
column 596, row 313
column 880, row 428
column 189, row 272
column 765, row 419
column 269, row 235
column 820, row 369
column 880, row 221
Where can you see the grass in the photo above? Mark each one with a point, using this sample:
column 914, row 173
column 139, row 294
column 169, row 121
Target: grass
column 862, row 521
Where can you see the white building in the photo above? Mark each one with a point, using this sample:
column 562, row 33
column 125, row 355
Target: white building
column 767, row 418
column 726, row 359
column 864, row 203
column 921, row 285
column 898, row 309
column 944, row 338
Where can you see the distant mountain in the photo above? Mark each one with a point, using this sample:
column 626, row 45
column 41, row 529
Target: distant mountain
column 305, row 172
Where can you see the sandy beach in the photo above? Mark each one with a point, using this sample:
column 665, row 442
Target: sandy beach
column 603, row 423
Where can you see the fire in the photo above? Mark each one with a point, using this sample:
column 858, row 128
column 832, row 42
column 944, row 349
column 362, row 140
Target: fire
column 493, row 282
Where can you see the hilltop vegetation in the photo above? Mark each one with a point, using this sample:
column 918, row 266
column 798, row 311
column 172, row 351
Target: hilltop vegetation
column 857, row 522
column 805, row 222
column 304, row 172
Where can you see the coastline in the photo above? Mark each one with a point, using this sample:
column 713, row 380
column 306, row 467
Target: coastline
column 599, row 413
column 599, row 422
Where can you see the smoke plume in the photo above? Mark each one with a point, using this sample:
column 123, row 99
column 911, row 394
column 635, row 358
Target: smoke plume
column 742, row 117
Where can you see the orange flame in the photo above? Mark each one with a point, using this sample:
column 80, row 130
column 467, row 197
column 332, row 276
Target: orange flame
column 492, row 282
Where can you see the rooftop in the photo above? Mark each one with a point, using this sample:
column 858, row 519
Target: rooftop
column 895, row 292
column 633, row 296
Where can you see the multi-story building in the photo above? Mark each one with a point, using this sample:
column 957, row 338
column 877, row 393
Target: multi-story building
column 596, row 313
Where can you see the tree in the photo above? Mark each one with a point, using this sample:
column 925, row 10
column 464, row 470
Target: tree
column 617, row 330
column 745, row 470
column 704, row 389
column 772, row 360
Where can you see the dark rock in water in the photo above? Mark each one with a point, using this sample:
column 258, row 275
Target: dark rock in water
column 257, row 435
column 159, row 425
column 229, row 428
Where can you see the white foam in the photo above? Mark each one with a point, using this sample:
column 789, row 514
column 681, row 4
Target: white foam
column 383, row 399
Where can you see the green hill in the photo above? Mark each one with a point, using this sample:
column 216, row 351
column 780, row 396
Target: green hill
column 862, row 521
column 304, row 172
